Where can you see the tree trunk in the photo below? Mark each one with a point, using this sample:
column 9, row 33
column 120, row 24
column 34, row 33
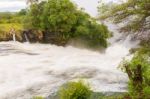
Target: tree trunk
column 135, row 76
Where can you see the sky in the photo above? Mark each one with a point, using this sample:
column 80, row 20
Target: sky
column 12, row 5
column 15, row 5
column 89, row 5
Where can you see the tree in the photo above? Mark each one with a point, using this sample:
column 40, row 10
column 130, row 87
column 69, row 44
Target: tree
column 135, row 10
column 138, row 71
column 60, row 15
column 22, row 12
column 61, row 21
column 33, row 19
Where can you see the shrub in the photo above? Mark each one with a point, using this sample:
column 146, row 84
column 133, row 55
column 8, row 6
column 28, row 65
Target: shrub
column 75, row 90
column 62, row 20
column 138, row 71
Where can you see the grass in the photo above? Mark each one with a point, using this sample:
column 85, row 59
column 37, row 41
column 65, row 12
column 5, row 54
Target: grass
column 5, row 30
column 8, row 26
column 37, row 97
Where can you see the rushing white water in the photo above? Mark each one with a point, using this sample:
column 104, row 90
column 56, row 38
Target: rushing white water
column 27, row 70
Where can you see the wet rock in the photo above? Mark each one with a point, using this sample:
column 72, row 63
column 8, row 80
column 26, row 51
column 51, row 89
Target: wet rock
column 144, row 36
column 31, row 36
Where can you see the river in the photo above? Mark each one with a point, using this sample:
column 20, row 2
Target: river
column 28, row 70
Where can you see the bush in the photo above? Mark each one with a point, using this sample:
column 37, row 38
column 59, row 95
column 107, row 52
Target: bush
column 138, row 71
column 62, row 20
column 75, row 90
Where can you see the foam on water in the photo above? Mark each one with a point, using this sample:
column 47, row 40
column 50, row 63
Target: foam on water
column 39, row 69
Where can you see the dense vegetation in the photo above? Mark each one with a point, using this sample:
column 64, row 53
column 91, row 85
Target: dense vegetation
column 138, row 70
column 54, row 21
column 75, row 90
column 63, row 21
column 80, row 90
column 135, row 13
column 8, row 21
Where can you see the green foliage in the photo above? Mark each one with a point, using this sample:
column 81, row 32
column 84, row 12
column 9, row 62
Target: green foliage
column 66, row 22
column 37, row 97
column 33, row 18
column 22, row 12
column 136, row 10
column 60, row 15
column 105, row 8
column 75, row 90
column 8, row 21
column 8, row 17
column 5, row 31
column 5, row 17
column 139, row 79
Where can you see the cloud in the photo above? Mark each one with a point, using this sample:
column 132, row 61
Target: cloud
column 89, row 5
column 12, row 5
column 15, row 5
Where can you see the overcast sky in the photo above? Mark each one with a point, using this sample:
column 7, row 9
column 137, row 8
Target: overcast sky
column 15, row 5
column 11, row 5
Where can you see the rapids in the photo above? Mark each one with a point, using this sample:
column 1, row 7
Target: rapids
column 27, row 69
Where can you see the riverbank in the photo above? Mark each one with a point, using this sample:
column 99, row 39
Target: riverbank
column 5, row 29
column 94, row 95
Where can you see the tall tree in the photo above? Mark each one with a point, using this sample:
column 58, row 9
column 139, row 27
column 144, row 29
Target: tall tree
column 62, row 20
column 136, row 11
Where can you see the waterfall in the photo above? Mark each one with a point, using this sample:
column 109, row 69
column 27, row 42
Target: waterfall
column 14, row 37
column 49, row 66
column 26, row 37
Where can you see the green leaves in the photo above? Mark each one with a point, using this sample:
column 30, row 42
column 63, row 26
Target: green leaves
column 138, row 71
column 60, row 15
column 131, row 8
column 62, row 18
column 75, row 90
